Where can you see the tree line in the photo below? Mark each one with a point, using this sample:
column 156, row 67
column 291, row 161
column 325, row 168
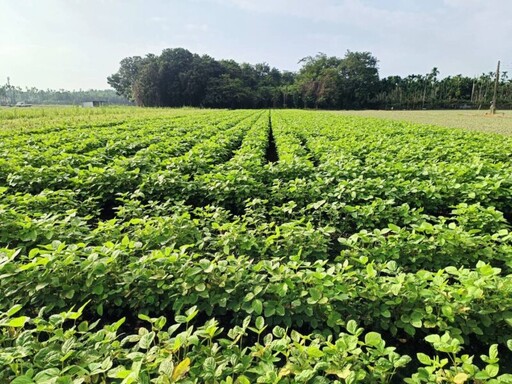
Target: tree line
column 11, row 94
column 178, row 78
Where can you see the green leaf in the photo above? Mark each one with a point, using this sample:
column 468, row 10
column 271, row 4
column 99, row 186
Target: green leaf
column 423, row 358
column 14, row 309
column 373, row 339
column 64, row 380
column 17, row 322
column 351, row 327
column 270, row 310
column 97, row 289
column 482, row 375
column 117, row 324
column 486, row 270
column 83, row 326
column 394, row 228
column 385, row 313
column 432, row 339
column 410, row 329
column 144, row 317
column 260, row 322
column 209, row 365
column 242, row 380
column 200, row 287
column 119, row 373
column 191, row 313
column 75, row 315
column 315, row 294
column 416, row 319
column 146, row 340
column 46, row 375
column 493, row 351
column 492, row 370
column 304, row 376
column 125, row 241
column 22, row 380
column 402, row 361
column 166, row 367
column 314, row 352
column 447, row 310
column 257, row 306
column 160, row 323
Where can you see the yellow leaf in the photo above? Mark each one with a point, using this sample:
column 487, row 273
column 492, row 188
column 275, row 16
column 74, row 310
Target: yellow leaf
column 460, row 378
column 259, row 352
column 285, row 371
column 341, row 374
column 181, row 369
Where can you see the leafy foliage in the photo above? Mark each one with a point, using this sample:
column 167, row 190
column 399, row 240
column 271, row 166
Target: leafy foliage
column 361, row 251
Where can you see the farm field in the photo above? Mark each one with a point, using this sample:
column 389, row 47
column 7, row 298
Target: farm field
column 468, row 119
column 202, row 246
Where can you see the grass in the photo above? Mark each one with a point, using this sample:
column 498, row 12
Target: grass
column 473, row 120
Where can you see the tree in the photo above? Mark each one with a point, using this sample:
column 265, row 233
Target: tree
column 124, row 79
column 332, row 82
column 3, row 94
column 318, row 81
column 201, row 70
column 359, row 80
column 178, row 77
column 174, row 67
column 146, row 89
column 227, row 92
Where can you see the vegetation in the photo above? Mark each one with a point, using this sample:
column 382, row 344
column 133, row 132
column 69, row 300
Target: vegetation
column 10, row 95
column 192, row 246
column 178, row 78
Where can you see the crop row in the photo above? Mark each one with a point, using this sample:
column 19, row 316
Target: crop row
column 250, row 352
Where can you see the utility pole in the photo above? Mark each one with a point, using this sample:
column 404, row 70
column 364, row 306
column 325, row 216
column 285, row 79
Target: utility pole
column 9, row 94
column 10, row 90
column 496, row 80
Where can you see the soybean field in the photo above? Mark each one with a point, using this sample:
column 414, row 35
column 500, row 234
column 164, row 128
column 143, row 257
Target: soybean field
column 251, row 246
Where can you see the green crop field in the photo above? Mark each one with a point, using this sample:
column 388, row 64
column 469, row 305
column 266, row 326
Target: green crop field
column 202, row 246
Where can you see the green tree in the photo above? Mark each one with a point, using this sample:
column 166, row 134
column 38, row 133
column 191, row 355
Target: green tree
column 227, row 92
column 318, row 81
column 174, row 69
column 359, row 83
column 123, row 80
column 146, row 89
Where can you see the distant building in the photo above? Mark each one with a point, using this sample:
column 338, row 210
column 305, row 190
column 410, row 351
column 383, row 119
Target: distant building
column 94, row 103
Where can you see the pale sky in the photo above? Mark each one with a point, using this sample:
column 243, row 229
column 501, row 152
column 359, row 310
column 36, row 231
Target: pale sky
column 74, row 44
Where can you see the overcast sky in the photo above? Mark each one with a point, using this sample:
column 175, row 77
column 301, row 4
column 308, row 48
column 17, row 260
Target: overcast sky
column 74, row 44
